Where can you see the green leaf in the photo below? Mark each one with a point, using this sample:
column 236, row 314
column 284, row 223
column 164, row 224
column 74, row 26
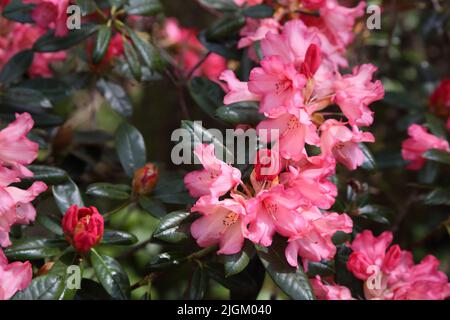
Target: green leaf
column 227, row 48
column 207, row 94
column 18, row 11
column 111, row 275
column 130, row 147
column 47, row 174
column 51, row 88
column 53, row 224
column 146, row 50
column 143, row 7
column 259, row 11
column 201, row 135
column 369, row 162
column 25, row 99
column 166, row 260
column 429, row 172
column 437, row 156
column 340, row 237
column 236, row 263
column 168, row 228
column 48, row 287
column 225, row 27
column 16, row 67
column 293, row 282
column 198, row 284
column 133, row 60
column 323, row 268
column 221, row 5
column 375, row 213
column 52, row 43
column 101, row 44
column 109, row 191
column 152, row 205
column 242, row 112
column 67, row 194
column 439, row 196
column 115, row 237
column 87, row 6
column 116, row 97
column 436, row 125
column 34, row 248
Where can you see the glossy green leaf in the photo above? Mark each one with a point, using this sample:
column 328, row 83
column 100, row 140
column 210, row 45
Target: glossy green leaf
column 259, row 11
column 146, row 50
column 225, row 27
column 240, row 113
column 101, row 44
column 19, row 11
column 375, row 213
column 438, row 156
column 207, row 94
column 16, row 67
column 25, row 99
column 47, row 174
column 48, row 287
column 198, row 284
column 66, row 195
column 52, row 43
column 369, row 162
column 236, row 263
column 143, row 7
column 132, row 59
column 34, row 248
column 166, row 260
column 439, row 196
column 109, row 191
column 152, row 205
column 221, row 5
column 116, row 97
column 130, row 147
column 116, row 237
column 169, row 228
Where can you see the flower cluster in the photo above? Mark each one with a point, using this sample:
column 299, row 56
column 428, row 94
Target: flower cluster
column 289, row 189
column 389, row 273
column 16, row 151
column 16, row 37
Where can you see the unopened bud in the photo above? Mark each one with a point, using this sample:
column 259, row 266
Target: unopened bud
column 145, row 179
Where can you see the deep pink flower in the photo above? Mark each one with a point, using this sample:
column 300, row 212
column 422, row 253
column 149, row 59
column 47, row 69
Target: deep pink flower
column 341, row 143
column 273, row 210
column 236, row 91
column 314, row 242
column 51, row 14
column 222, row 222
column 355, row 92
column 13, row 276
column 419, row 142
column 309, row 178
column 329, row 291
column 216, row 179
column 440, row 99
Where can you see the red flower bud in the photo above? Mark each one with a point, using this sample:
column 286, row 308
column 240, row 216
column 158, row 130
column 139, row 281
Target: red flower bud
column 145, row 179
column 440, row 99
column 267, row 166
column 83, row 227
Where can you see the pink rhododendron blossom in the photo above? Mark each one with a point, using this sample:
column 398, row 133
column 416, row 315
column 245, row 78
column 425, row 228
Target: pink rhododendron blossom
column 13, row 276
column 355, row 92
column 273, row 210
column 341, row 143
column 256, row 30
column 329, row 291
column 399, row 277
column 222, row 222
column 188, row 51
column 236, row 91
column 51, row 14
column 216, row 179
column 314, row 242
column 419, row 142
column 309, row 177
column 15, row 37
column 248, row 2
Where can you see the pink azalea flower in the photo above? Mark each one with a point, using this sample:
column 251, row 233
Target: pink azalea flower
column 273, row 210
column 15, row 148
column 419, row 142
column 13, row 276
column 16, row 208
column 341, row 143
column 51, row 14
column 278, row 84
column 293, row 134
column 256, row 30
column 329, row 291
column 355, row 92
column 400, row 278
column 236, row 90
column 310, row 179
column 222, row 222
column 216, row 179
column 314, row 242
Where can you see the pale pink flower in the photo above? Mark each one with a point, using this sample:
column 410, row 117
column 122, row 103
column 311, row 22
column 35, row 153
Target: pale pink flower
column 419, row 142
column 329, row 291
column 217, row 177
column 309, row 177
column 14, row 276
column 273, row 210
column 278, row 84
column 256, row 30
column 293, row 133
column 16, row 208
column 248, row 2
column 314, row 243
column 222, row 222
column 236, row 91
column 355, row 92
column 341, row 143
